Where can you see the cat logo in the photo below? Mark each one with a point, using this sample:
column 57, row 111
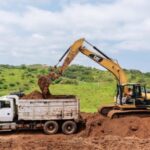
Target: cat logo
column 96, row 58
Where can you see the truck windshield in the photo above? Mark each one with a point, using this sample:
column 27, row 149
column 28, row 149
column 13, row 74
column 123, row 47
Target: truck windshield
column 4, row 104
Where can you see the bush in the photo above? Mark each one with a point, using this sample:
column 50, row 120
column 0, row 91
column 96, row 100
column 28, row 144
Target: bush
column 11, row 74
column 23, row 66
column 5, row 87
column 3, row 79
column 43, row 71
column 22, row 77
column 1, row 82
column 109, row 80
column 86, row 78
column 26, row 86
column 28, row 75
column 57, row 81
column 18, row 83
column 69, row 81
column 12, row 84
column 31, row 69
column 32, row 81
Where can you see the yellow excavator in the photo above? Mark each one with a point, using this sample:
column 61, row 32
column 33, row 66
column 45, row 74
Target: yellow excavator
column 137, row 103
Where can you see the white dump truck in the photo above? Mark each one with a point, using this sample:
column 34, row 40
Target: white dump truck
column 50, row 115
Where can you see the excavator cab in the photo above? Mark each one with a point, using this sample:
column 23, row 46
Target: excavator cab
column 132, row 94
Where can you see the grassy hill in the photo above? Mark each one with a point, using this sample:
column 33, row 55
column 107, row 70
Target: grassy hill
column 94, row 87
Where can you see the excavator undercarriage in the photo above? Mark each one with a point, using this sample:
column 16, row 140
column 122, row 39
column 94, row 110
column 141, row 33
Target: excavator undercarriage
column 116, row 112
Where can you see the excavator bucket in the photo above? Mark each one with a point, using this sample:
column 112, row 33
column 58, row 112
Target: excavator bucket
column 44, row 82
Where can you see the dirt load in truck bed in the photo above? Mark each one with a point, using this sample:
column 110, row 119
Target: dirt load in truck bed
column 38, row 95
column 100, row 133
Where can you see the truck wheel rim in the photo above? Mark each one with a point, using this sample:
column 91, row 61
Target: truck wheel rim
column 51, row 127
column 69, row 128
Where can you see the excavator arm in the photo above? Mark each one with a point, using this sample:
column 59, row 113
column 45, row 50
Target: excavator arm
column 99, row 57
column 71, row 54
column 78, row 46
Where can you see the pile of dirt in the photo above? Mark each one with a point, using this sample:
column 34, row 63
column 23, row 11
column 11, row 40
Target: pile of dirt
column 33, row 95
column 36, row 95
column 97, row 125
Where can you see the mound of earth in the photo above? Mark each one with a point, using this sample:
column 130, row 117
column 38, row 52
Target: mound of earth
column 97, row 125
column 33, row 95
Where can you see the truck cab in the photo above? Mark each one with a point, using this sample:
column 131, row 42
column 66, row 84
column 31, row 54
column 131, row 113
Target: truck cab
column 7, row 108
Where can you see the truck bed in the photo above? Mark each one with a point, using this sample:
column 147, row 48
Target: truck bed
column 58, row 108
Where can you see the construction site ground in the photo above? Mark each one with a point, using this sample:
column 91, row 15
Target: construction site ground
column 98, row 133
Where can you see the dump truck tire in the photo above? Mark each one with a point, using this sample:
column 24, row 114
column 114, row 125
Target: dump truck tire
column 69, row 127
column 51, row 127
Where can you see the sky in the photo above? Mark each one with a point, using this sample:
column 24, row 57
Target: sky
column 40, row 31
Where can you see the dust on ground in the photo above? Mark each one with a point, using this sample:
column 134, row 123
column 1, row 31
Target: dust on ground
column 99, row 133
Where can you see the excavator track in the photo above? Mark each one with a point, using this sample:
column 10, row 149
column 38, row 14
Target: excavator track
column 104, row 110
column 122, row 113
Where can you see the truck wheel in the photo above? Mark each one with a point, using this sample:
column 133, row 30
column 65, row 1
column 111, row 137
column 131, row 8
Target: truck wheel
column 69, row 127
column 50, row 127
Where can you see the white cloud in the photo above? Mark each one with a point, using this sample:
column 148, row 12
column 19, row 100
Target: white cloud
column 41, row 35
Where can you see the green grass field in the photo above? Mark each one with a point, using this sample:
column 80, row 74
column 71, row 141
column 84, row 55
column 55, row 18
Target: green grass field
column 93, row 87
column 91, row 95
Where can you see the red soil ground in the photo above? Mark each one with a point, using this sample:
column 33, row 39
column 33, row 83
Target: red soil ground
column 100, row 133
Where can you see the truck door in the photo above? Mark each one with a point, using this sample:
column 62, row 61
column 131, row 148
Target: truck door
column 6, row 111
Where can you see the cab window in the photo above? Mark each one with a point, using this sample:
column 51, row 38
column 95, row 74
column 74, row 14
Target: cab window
column 4, row 104
column 138, row 91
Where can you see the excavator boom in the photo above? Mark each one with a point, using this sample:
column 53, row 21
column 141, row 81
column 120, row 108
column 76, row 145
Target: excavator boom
column 109, row 64
column 101, row 58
